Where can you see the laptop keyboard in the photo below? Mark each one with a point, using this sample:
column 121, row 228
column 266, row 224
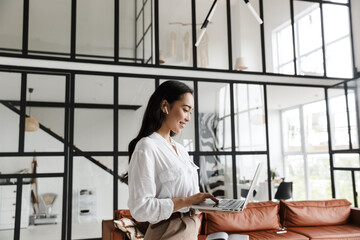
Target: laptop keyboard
column 231, row 203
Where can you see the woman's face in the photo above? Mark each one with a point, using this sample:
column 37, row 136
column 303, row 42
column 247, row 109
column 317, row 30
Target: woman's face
column 179, row 113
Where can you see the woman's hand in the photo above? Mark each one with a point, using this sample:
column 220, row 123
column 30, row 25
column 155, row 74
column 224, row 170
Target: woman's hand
column 192, row 200
column 200, row 197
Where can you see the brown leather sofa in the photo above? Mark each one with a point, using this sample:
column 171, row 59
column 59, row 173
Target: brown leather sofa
column 330, row 219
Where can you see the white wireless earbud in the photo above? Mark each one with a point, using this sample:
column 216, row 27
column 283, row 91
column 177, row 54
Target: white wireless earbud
column 166, row 110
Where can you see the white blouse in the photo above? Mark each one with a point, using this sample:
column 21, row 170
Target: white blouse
column 156, row 175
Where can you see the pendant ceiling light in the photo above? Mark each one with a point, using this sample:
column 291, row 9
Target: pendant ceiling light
column 31, row 124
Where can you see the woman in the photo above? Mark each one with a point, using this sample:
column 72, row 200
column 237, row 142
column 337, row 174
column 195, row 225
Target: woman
column 162, row 179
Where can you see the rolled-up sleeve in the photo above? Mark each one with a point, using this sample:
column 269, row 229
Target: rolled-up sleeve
column 142, row 202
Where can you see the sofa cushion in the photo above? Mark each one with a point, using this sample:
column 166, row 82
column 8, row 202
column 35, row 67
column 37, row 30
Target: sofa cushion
column 314, row 213
column 256, row 216
column 125, row 213
column 268, row 235
column 329, row 232
column 271, row 234
column 128, row 226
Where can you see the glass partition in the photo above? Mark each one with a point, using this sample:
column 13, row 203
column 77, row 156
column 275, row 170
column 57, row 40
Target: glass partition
column 50, row 30
column 352, row 96
column 123, row 190
column 337, row 41
column 309, row 54
column 95, row 29
column 10, row 88
column 278, row 37
column 216, row 175
column 246, row 39
column 144, row 31
column 349, row 160
column 92, row 196
column 338, row 118
column 212, row 51
column 319, row 176
column 134, row 94
column 11, row 11
column 50, row 196
column 93, row 129
column 301, row 155
column 93, row 124
column 245, row 170
column 46, row 88
column 249, row 117
column 214, row 116
column 175, row 32
column 315, row 125
column 127, row 30
column 343, row 185
column 294, row 172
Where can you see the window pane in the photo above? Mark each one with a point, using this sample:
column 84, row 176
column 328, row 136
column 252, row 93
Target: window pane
column 175, row 31
column 291, row 130
column 10, row 165
column 93, row 129
column 308, row 38
column 95, row 27
column 343, row 185
column 352, row 114
column 338, row 118
column 92, row 196
column 216, row 175
column 245, row 33
column 133, row 92
column 315, row 120
column 10, row 88
column 50, row 192
column 212, row 51
column 148, row 57
column 50, row 30
column 127, row 30
column 46, row 88
column 11, row 11
column 123, row 190
column 210, row 130
column 278, row 37
column 245, row 171
column 337, row 41
column 94, row 89
column 347, row 160
column 295, row 173
column 249, row 118
column 319, row 177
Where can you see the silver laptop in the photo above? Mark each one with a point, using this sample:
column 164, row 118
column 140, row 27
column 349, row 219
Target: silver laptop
column 231, row 205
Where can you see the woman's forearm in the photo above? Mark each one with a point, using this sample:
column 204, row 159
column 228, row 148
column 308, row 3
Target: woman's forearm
column 180, row 203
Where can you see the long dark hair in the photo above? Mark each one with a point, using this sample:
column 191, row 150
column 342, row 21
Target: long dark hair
column 170, row 91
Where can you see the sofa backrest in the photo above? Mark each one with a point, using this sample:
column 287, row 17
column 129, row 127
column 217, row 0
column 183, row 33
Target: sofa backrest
column 256, row 216
column 314, row 213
